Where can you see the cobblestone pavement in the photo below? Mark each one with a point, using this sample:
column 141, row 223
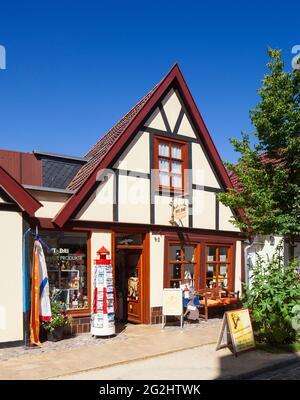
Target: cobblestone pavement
column 86, row 339
column 79, row 341
column 291, row 372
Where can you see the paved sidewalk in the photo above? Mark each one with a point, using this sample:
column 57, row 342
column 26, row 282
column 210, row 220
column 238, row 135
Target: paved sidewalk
column 141, row 344
column 202, row 362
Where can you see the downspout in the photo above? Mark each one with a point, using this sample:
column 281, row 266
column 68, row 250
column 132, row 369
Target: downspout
column 246, row 263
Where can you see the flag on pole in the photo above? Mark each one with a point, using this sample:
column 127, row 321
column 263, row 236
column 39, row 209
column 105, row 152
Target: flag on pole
column 40, row 302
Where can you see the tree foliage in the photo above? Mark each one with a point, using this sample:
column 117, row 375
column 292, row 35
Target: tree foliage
column 269, row 171
column 273, row 299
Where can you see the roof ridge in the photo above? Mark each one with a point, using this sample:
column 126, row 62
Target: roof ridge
column 122, row 118
column 105, row 143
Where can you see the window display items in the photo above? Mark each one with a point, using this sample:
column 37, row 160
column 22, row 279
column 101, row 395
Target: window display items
column 103, row 317
column 67, row 268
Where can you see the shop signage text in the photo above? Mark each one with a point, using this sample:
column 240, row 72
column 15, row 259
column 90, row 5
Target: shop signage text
column 236, row 331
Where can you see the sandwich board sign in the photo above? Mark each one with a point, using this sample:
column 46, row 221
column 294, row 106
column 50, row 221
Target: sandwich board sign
column 236, row 331
column 172, row 304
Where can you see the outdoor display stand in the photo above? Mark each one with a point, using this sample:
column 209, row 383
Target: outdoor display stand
column 103, row 317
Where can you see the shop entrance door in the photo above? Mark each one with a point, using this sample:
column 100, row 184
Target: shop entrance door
column 128, row 284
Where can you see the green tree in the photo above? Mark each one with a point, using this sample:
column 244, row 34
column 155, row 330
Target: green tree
column 269, row 171
column 273, row 299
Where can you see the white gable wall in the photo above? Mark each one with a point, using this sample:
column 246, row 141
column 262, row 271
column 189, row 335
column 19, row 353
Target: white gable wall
column 204, row 209
column 172, row 107
column 136, row 156
column 225, row 214
column 185, row 128
column 134, row 200
column 99, row 206
column 52, row 202
column 202, row 171
column 156, row 121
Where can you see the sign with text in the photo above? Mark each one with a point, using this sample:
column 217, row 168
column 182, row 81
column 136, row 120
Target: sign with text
column 172, row 304
column 236, row 331
column 180, row 211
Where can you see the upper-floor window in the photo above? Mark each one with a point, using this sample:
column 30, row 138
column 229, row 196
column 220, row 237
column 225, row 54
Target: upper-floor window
column 170, row 164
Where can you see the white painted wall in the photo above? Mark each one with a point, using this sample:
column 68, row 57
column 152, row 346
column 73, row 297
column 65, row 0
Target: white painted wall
column 156, row 121
column 99, row 207
column 225, row 214
column 136, row 156
column 163, row 210
column 261, row 247
column 185, row 128
column 156, row 269
column 134, row 199
column 52, row 202
column 172, row 107
column 202, row 171
column 204, row 209
column 238, row 267
column 11, row 303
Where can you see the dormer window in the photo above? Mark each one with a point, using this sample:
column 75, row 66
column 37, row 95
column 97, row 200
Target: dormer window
column 170, row 164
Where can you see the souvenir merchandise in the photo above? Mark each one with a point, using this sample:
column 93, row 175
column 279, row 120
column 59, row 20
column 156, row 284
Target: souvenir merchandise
column 103, row 318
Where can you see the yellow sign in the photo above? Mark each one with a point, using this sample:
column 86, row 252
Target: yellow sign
column 237, row 331
column 180, row 211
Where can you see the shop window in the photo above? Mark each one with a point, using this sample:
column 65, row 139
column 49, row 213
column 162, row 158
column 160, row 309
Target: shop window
column 182, row 265
column 67, row 268
column 218, row 266
column 170, row 164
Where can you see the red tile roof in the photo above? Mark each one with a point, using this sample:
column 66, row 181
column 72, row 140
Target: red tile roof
column 102, row 147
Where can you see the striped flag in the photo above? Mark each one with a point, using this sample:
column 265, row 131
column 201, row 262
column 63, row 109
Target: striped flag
column 40, row 302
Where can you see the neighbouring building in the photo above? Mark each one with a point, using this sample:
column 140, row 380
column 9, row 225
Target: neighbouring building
column 146, row 191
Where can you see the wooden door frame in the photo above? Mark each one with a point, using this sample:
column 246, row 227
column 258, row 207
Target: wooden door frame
column 145, row 268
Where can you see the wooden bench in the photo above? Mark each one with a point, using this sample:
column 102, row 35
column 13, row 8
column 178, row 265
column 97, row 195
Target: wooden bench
column 224, row 298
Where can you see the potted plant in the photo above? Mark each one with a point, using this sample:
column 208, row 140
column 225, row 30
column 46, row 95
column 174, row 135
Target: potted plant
column 59, row 322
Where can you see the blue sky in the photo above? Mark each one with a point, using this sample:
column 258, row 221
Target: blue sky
column 74, row 68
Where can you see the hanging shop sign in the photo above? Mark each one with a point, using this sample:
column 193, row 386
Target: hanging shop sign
column 236, row 331
column 180, row 211
column 172, row 304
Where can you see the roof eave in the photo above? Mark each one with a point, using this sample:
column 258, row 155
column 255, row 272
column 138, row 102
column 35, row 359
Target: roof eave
column 18, row 193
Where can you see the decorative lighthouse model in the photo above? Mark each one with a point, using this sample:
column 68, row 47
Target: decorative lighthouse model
column 103, row 317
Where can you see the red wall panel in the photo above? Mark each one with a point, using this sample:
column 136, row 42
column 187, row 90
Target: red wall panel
column 24, row 167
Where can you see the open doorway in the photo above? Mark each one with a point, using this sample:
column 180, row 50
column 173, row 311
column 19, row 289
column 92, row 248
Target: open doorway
column 128, row 267
column 131, row 272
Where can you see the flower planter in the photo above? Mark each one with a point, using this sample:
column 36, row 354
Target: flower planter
column 56, row 335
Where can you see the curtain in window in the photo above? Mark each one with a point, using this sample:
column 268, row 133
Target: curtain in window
column 164, row 179
column 177, row 181
column 176, row 151
column 163, row 165
column 163, row 149
column 176, row 167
